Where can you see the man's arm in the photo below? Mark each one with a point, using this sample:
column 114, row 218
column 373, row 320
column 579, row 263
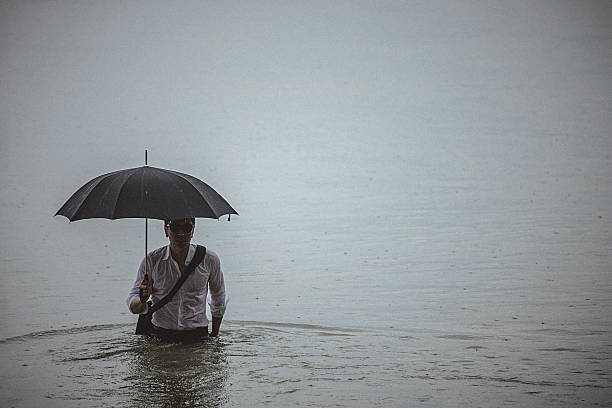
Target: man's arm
column 137, row 307
column 133, row 300
column 216, row 285
column 216, row 324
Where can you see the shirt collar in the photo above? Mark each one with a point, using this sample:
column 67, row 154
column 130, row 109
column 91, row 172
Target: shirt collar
column 190, row 253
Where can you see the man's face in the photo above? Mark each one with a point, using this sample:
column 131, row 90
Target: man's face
column 180, row 232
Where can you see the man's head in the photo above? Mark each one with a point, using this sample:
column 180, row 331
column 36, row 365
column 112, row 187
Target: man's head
column 179, row 231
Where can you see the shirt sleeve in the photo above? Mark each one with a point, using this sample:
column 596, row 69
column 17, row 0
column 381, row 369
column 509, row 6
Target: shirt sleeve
column 134, row 292
column 216, row 285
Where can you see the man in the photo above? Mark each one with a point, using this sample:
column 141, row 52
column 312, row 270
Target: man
column 183, row 319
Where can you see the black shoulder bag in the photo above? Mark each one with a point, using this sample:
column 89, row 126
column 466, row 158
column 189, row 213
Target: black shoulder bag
column 144, row 320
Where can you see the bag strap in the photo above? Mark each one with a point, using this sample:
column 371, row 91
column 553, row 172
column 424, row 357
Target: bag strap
column 195, row 261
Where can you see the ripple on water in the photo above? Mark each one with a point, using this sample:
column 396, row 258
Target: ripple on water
column 256, row 363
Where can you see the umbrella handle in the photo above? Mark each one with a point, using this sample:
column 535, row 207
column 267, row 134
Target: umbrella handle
column 142, row 298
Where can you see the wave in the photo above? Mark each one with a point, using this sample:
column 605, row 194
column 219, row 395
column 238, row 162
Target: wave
column 63, row 332
column 312, row 327
column 323, row 330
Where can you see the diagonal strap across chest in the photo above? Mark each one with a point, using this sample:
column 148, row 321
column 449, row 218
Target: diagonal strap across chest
column 195, row 261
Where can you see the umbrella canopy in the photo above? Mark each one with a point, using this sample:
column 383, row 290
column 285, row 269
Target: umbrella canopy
column 145, row 192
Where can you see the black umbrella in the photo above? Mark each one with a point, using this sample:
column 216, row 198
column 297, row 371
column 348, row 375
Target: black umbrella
column 145, row 192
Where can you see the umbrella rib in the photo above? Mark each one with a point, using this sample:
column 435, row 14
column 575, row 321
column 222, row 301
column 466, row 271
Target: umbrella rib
column 198, row 191
column 121, row 191
column 159, row 176
column 101, row 178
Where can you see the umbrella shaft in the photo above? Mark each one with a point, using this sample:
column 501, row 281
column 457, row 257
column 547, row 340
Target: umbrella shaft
column 146, row 228
column 146, row 245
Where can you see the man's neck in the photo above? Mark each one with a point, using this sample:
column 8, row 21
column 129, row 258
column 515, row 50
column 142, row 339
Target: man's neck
column 179, row 254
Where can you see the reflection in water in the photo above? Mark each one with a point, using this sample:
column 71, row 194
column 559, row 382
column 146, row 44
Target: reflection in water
column 176, row 375
column 108, row 365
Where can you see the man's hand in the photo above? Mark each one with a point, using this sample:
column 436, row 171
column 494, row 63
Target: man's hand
column 145, row 290
column 138, row 305
column 216, row 324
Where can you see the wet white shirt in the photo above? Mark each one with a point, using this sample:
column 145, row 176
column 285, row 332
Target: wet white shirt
column 187, row 309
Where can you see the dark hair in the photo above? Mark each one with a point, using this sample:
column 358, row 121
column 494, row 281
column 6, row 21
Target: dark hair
column 167, row 222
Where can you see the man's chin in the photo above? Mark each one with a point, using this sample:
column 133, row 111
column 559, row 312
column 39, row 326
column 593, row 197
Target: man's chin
column 182, row 244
